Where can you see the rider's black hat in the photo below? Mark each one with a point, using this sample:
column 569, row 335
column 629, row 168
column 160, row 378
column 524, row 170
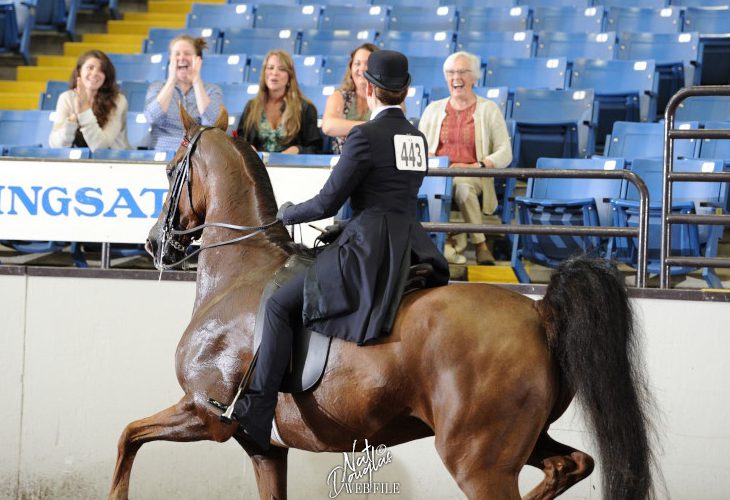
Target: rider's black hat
column 388, row 69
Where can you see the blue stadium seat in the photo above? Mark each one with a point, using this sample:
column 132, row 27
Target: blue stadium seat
column 354, row 3
column 419, row 43
column 308, row 68
column 713, row 24
column 576, row 4
column 704, row 108
column 434, row 198
column 573, row 46
column 133, row 155
column 625, row 91
column 269, row 2
column 564, row 202
column 462, row 4
column 224, row 68
column 25, row 128
column 222, row 16
column 415, row 101
column 135, row 92
column 235, row 97
column 334, row 69
column 675, row 55
column 57, row 153
column 318, row 94
column 409, row 3
column 15, row 28
column 333, row 42
column 299, row 17
column 554, row 123
column 568, row 19
column 259, row 40
column 158, row 40
column 699, row 3
column 647, row 4
column 641, row 20
column 55, row 15
column 716, row 148
column 441, row 18
column 688, row 198
column 497, row 43
column 140, row 67
column 355, row 18
column 427, row 71
column 50, row 96
column 632, row 140
column 138, row 131
column 494, row 19
column 535, row 73
column 307, row 160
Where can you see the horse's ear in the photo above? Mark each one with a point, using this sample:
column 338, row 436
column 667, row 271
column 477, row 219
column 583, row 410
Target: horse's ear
column 187, row 120
column 222, row 121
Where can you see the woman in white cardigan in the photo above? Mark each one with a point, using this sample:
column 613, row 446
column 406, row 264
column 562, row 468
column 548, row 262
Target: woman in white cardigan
column 93, row 113
column 471, row 131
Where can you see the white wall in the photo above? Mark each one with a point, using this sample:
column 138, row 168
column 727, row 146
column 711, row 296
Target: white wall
column 83, row 357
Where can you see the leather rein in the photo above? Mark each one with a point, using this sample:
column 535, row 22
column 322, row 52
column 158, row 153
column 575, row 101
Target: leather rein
column 183, row 175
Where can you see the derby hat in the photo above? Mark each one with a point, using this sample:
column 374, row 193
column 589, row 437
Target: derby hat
column 388, row 69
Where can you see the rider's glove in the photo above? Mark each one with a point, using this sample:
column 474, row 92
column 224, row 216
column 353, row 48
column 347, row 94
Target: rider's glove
column 282, row 209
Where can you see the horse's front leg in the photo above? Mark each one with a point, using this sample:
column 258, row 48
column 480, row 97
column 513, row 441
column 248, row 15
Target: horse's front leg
column 183, row 422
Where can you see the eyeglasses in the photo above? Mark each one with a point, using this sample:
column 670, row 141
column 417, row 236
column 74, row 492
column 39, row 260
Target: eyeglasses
column 459, row 72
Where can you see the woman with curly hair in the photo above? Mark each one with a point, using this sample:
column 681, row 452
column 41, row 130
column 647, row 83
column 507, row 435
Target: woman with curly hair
column 93, row 113
column 280, row 119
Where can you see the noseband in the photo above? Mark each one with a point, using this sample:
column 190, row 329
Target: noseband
column 183, row 175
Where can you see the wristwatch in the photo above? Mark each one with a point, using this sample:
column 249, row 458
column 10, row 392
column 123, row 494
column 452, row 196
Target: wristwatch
column 481, row 164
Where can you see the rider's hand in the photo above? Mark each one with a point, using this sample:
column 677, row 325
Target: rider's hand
column 331, row 233
column 282, row 209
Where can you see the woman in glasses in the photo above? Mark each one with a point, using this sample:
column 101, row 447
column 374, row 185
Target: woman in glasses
column 471, row 131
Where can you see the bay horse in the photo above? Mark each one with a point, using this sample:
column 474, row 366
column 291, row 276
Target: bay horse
column 483, row 369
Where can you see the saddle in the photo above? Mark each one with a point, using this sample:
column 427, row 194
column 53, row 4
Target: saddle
column 311, row 349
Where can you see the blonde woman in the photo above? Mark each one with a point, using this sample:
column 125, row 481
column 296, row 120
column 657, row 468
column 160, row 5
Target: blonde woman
column 280, row 119
column 348, row 105
column 93, row 113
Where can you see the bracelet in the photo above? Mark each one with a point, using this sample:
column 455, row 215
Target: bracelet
column 482, row 165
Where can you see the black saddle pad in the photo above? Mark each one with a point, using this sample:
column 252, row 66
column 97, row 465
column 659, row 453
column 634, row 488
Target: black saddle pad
column 310, row 349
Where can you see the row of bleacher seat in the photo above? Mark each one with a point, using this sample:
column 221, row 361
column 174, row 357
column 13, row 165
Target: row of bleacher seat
column 86, row 153
column 452, row 18
column 603, row 202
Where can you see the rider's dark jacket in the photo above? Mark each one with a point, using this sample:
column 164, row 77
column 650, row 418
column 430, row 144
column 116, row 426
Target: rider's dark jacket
column 355, row 285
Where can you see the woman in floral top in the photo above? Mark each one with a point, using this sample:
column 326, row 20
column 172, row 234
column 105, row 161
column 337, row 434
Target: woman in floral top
column 280, row 119
column 347, row 106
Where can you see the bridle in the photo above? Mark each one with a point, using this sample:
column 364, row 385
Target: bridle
column 183, row 175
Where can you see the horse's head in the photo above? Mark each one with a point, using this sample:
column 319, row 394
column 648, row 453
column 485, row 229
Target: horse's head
column 185, row 206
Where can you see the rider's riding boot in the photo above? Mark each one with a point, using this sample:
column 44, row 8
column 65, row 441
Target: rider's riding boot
column 255, row 413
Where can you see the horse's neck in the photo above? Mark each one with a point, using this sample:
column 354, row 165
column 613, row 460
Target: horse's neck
column 239, row 268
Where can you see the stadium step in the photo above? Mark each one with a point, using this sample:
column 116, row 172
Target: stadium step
column 75, row 49
column 156, row 16
column 42, row 73
column 19, row 100
column 142, row 27
column 174, row 6
column 67, row 62
column 113, row 38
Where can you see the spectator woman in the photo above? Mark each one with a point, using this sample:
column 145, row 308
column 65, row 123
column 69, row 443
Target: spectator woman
column 184, row 85
column 471, row 131
column 93, row 113
column 280, row 119
column 348, row 106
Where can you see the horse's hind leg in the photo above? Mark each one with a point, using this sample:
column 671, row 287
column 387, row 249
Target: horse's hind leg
column 180, row 422
column 270, row 468
column 563, row 467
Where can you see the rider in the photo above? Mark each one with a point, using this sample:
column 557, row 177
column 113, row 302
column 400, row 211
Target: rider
column 353, row 289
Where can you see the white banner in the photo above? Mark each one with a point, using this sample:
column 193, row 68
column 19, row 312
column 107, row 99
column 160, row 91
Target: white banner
column 106, row 201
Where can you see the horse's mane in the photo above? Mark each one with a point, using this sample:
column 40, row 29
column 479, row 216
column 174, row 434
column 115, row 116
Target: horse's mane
column 265, row 200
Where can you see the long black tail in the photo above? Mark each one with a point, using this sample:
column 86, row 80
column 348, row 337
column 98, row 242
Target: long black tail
column 590, row 328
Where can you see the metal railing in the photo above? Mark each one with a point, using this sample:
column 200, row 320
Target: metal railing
column 666, row 261
column 639, row 232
